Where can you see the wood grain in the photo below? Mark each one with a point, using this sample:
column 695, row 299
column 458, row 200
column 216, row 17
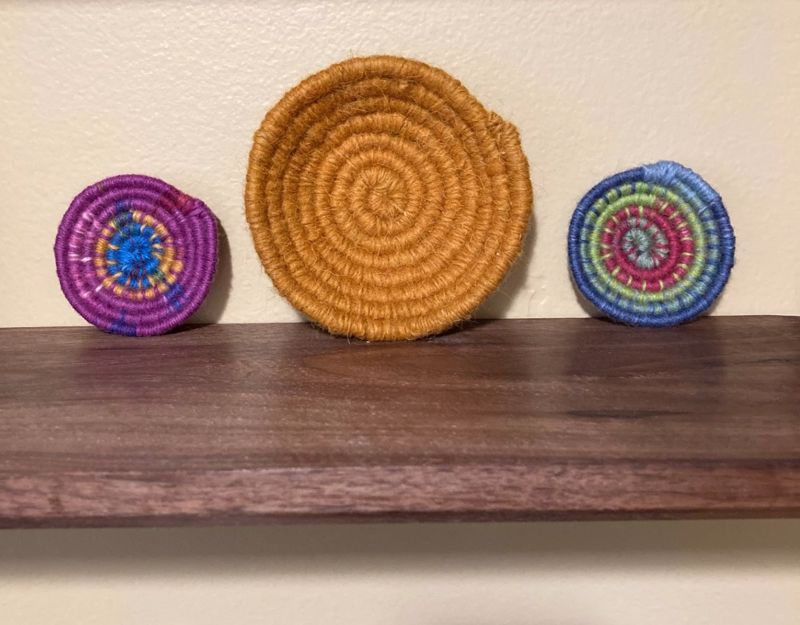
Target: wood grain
column 523, row 419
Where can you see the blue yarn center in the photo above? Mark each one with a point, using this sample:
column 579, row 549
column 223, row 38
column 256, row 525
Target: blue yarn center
column 134, row 253
column 642, row 245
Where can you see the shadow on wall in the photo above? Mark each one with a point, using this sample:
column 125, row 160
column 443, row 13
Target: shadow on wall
column 418, row 547
column 212, row 308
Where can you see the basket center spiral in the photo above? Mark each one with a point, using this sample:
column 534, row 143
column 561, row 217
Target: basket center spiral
column 381, row 192
column 648, row 248
column 137, row 252
column 135, row 256
column 645, row 245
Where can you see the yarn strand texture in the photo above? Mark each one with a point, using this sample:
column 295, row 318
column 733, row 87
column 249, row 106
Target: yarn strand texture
column 384, row 201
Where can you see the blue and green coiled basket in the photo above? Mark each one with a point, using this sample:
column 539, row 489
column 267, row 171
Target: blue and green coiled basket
column 651, row 246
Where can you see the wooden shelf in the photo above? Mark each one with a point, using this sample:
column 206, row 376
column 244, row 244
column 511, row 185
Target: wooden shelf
column 534, row 419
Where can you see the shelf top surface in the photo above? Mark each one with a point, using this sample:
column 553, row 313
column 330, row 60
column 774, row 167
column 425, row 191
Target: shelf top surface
column 502, row 419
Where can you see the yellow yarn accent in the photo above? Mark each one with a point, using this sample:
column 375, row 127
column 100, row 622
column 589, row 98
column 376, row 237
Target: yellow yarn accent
column 168, row 262
column 384, row 201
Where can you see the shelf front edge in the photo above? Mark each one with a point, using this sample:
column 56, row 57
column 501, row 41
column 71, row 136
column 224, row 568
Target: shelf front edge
column 538, row 491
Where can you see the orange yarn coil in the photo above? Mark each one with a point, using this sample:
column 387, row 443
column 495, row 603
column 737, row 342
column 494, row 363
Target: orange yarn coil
column 384, row 201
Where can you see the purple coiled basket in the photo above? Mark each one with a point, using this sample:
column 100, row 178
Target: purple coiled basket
column 135, row 255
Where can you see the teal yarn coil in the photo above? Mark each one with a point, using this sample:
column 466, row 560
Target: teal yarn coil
column 651, row 246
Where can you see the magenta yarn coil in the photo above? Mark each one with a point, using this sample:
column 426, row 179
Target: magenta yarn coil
column 136, row 256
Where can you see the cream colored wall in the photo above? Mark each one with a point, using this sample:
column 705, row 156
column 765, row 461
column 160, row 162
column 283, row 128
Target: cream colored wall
column 657, row 573
column 176, row 90
column 88, row 89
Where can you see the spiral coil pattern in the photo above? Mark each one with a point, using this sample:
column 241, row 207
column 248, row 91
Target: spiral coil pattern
column 136, row 256
column 384, row 201
column 651, row 246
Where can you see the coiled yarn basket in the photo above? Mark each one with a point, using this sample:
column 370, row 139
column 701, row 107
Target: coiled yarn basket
column 136, row 256
column 651, row 246
column 384, row 201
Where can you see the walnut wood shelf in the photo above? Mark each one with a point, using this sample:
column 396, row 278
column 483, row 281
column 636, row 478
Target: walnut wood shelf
column 534, row 419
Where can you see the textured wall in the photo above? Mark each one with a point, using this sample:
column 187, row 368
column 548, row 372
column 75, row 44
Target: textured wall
column 176, row 90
